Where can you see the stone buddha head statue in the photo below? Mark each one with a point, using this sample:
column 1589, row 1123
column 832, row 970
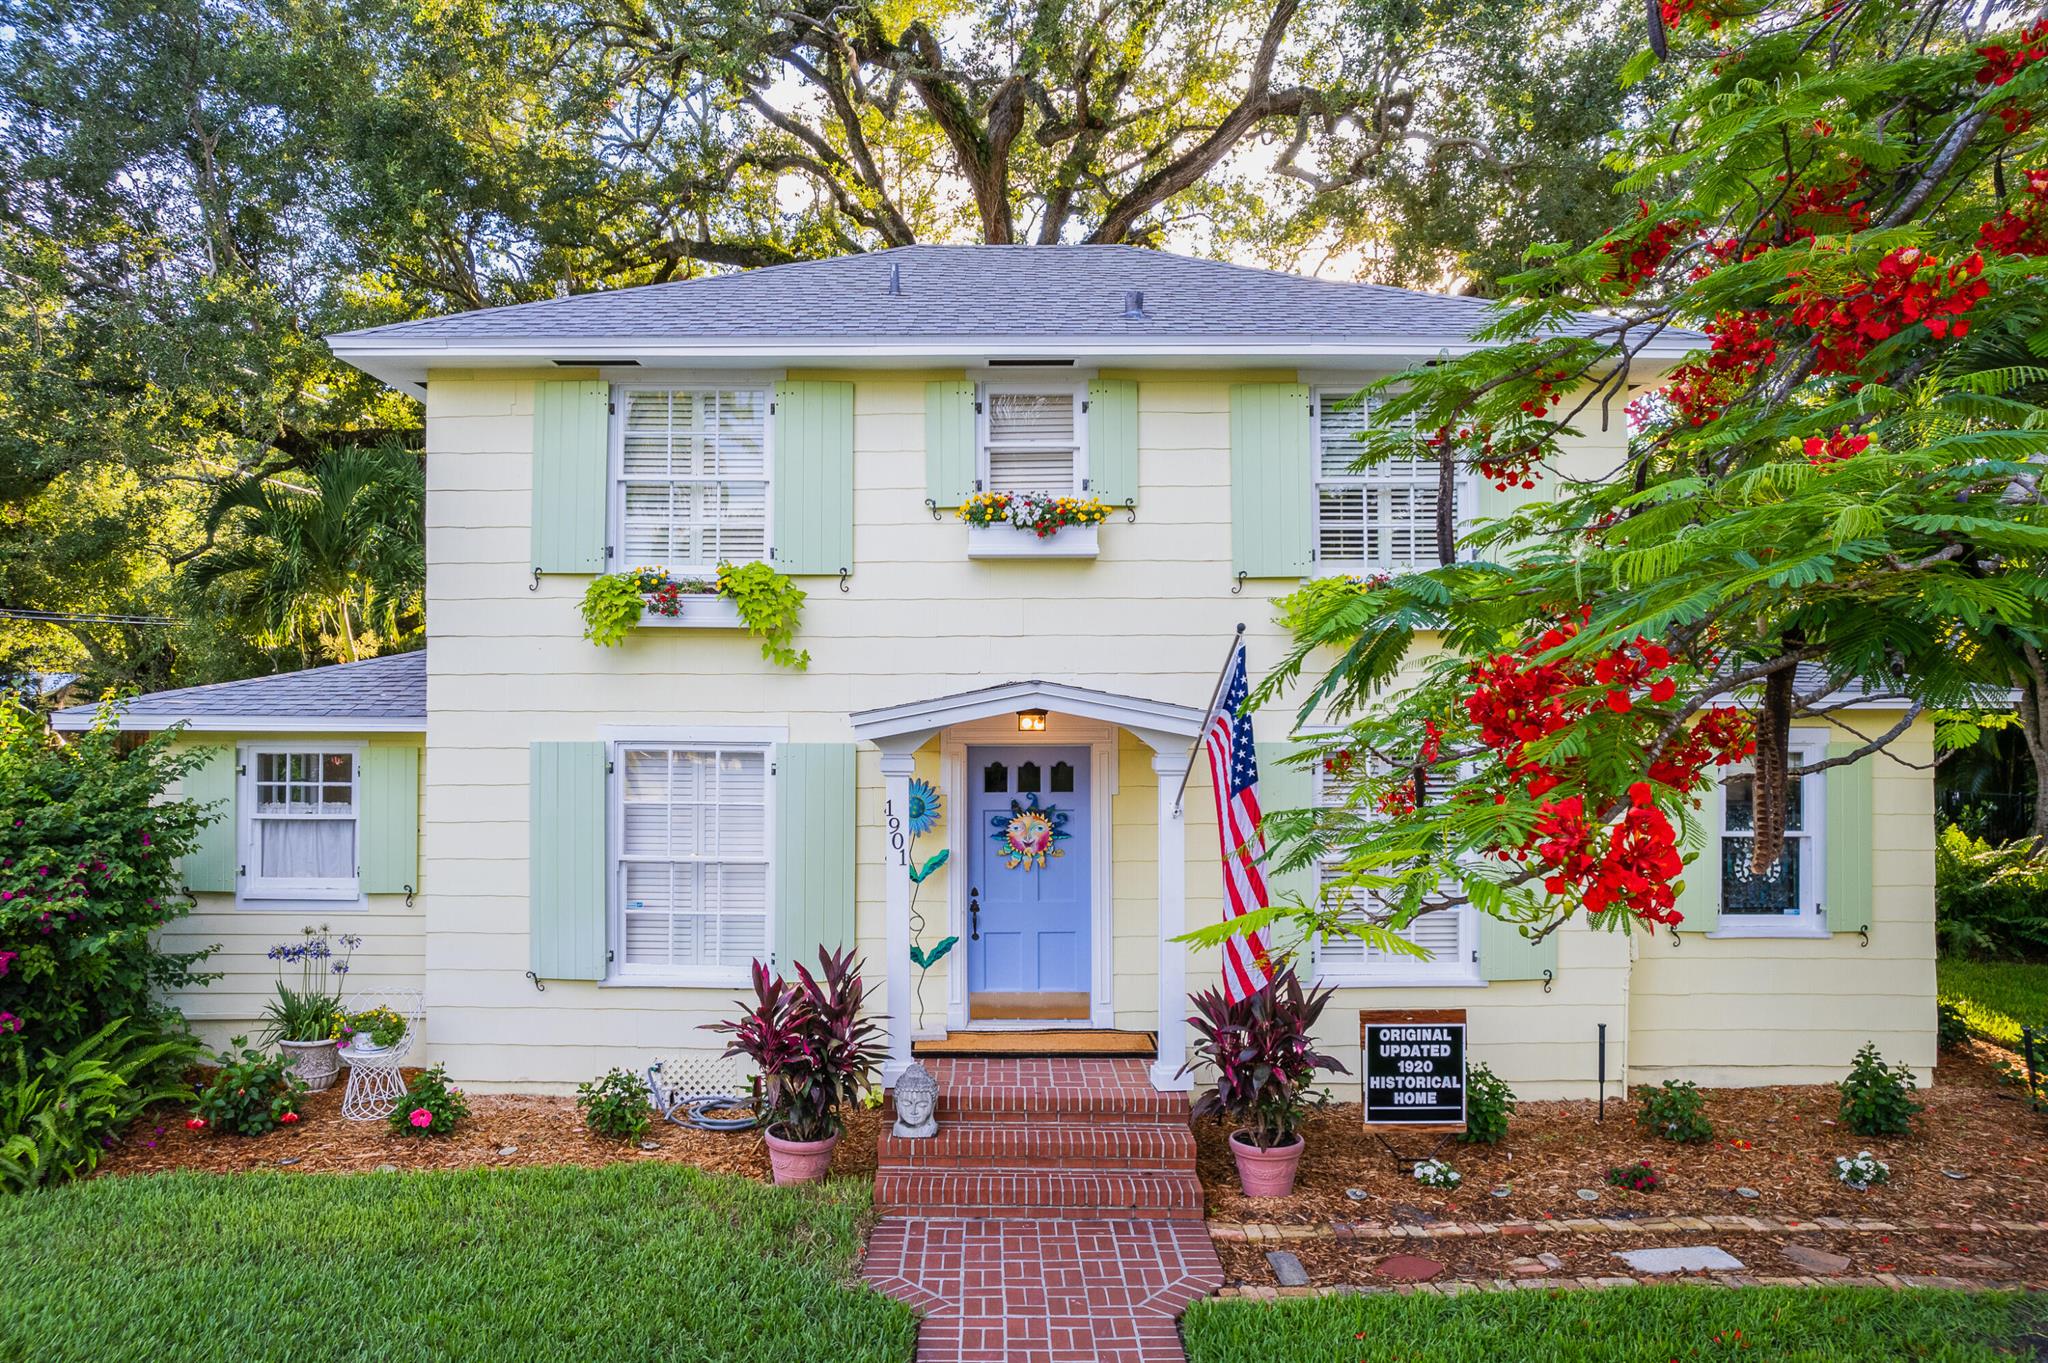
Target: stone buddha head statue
column 917, row 1096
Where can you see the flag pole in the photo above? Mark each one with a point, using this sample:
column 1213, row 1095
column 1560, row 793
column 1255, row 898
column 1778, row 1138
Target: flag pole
column 1236, row 640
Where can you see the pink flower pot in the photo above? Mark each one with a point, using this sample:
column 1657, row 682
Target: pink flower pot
column 799, row 1161
column 1266, row 1173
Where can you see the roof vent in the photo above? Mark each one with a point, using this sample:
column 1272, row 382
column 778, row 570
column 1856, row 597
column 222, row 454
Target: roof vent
column 1134, row 303
column 895, row 279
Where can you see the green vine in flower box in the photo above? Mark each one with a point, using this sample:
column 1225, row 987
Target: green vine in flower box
column 614, row 603
column 770, row 606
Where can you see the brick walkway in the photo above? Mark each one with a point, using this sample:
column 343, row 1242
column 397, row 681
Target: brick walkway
column 1055, row 1217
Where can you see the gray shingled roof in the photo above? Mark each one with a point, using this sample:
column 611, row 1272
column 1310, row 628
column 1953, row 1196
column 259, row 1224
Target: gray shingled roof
column 381, row 694
column 971, row 292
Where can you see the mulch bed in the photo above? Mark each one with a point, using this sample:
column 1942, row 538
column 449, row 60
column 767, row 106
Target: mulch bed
column 538, row 1130
column 1973, row 1125
column 1994, row 1257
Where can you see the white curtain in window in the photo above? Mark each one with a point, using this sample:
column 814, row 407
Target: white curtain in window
column 306, row 849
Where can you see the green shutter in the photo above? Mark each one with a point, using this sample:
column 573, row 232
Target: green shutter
column 213, row 863
column 1850, row 840
column 566, row 863
column 949, row 441
column 1700, row 898
column 813, row 487
column 1269, row 479
column 1491, row 503
column 391, row 818
column 571, row 443
column 1113, row 440
column 814, row 856
column 1505, row 954
column 1284, row 786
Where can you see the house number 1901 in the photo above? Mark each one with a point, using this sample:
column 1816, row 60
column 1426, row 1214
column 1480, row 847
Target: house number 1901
column 896, row 839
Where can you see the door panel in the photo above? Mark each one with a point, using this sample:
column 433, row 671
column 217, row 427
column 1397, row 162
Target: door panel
column 1034, row 890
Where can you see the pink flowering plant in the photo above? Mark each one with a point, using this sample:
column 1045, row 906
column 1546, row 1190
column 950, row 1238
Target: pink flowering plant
column 431, row 1105
column 89, row 849
column 250, row 1092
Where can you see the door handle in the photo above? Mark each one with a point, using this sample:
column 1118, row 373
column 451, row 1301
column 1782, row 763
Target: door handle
column 974, row 915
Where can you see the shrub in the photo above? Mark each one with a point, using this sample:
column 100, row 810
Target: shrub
column 1262, row 1052
column 251, row 1093
column 1864, row 1171
column 1489, row 1102
column 1675, row 1111
column 1637, row 1178
column 814, row 1049
column 58, row 1116
column 1434, row 1173
column 1877, row 1100
column 615, row 1105
column 431, row 1106
column 311, row 1011
column 88, row 875
column 1951, row 1028
column 1987, row 898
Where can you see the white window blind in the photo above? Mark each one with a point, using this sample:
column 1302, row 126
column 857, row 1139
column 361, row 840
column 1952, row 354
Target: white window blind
column 1383, row 516
column 1031, row 442
column 300, row 840
column 693, row 859
column 693, row 478
column 1450, row 935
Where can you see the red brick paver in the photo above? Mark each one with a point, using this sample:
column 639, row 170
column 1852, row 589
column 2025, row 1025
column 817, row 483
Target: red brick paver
column 1052, row 1290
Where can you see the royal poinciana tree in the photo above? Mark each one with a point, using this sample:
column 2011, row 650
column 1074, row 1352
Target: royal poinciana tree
column 1838, row 491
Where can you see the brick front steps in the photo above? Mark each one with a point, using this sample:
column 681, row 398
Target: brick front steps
column 1063, row 1137
column 1056, row 1215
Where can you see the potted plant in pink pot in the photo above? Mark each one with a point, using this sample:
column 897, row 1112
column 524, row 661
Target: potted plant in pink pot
column 1264, row 1060
column 815, row 1052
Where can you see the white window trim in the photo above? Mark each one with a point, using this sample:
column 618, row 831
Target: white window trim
column 258, row 893
column 1805, row 746
column 617, row 975
column 615, row 468
column 1064, row 385
column 1405, row 972
column 1464, row 495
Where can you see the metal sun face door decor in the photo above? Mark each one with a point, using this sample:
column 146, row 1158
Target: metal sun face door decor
column 1030, row 872
column 1414, row 1068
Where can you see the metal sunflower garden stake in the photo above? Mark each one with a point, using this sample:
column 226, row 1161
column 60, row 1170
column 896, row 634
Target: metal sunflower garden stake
column 927, row 806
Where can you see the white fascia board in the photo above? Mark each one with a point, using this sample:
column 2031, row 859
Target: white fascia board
column 243, row 724
column 919, row 718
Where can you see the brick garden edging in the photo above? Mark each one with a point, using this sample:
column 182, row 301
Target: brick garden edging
column 1262, row 1231
column 1460, row 1286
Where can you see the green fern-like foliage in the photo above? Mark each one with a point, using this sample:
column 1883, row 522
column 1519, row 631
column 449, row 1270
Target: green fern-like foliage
column 770, row 606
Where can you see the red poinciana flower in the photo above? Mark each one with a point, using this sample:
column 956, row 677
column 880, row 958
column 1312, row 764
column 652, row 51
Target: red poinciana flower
column 1911, row 287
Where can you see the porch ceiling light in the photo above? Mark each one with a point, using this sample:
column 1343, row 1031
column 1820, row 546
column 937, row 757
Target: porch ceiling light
column 1031, row 721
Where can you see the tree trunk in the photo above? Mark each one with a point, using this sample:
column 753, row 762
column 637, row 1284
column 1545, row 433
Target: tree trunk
column 1771, row 783
column 2034, row 729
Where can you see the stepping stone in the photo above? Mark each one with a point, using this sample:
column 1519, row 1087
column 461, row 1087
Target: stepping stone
column 1680, row 1259
column 1978, row 1263
column 1408, row 1268
column 1807, row 1259
column 1589, row 1194
column 292, row 1159
column 1287, row 1269
column 508, row 1149
column 1748, row 1192
column 650, row 1145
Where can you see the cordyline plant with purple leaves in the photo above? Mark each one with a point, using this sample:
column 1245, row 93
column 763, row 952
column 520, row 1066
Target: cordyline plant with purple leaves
column 815, row 1049
column 1261, row 1051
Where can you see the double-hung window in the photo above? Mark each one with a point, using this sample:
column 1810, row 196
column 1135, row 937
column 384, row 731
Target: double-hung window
column 690, row 860
column 1451, row 936
column 1788, row 898
column 299, row 806
column 691, row 479
column 1379, row 518
column 1031, row 439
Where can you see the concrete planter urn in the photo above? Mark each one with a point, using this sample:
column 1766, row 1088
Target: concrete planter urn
column 1266, row 1173
column 798, row 1161
column 316, row 1063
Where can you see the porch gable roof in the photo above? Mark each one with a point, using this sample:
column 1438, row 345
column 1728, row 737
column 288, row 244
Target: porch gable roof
column 907, row 725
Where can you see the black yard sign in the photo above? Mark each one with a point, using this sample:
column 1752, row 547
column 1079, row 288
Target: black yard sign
column 1414, row 1067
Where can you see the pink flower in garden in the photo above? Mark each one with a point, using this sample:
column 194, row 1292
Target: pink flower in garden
column 195, row 1123
column 9, row 1023
column 421, row 1118
column 289, row 1118
column 5, row 958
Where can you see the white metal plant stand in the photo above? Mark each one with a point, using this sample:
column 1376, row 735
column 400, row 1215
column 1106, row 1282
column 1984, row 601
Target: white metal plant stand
column 375, row 1083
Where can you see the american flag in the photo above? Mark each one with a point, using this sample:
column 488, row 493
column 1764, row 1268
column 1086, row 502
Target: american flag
column 1234, row 775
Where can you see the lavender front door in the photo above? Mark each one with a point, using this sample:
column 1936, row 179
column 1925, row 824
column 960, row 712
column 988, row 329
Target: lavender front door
column 1030, row 920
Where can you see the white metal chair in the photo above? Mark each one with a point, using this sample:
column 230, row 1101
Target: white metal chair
column 375, row 1083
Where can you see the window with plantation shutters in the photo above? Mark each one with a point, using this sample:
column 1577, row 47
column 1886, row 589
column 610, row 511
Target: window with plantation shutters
column 1379, row 517
column 1030, row 441
column 691, row 487
column 691, row 862
column 1450, row 935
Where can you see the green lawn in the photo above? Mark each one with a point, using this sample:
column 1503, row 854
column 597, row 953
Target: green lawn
column 629, row 1262
column 1995, row 996
column 1616, row 1325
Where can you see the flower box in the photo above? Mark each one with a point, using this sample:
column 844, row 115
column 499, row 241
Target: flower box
column 708, row 610
column 1010, row 541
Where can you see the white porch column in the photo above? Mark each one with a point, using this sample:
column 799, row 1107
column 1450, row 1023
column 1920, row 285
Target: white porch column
column 897, row 766
column 1170, row 765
